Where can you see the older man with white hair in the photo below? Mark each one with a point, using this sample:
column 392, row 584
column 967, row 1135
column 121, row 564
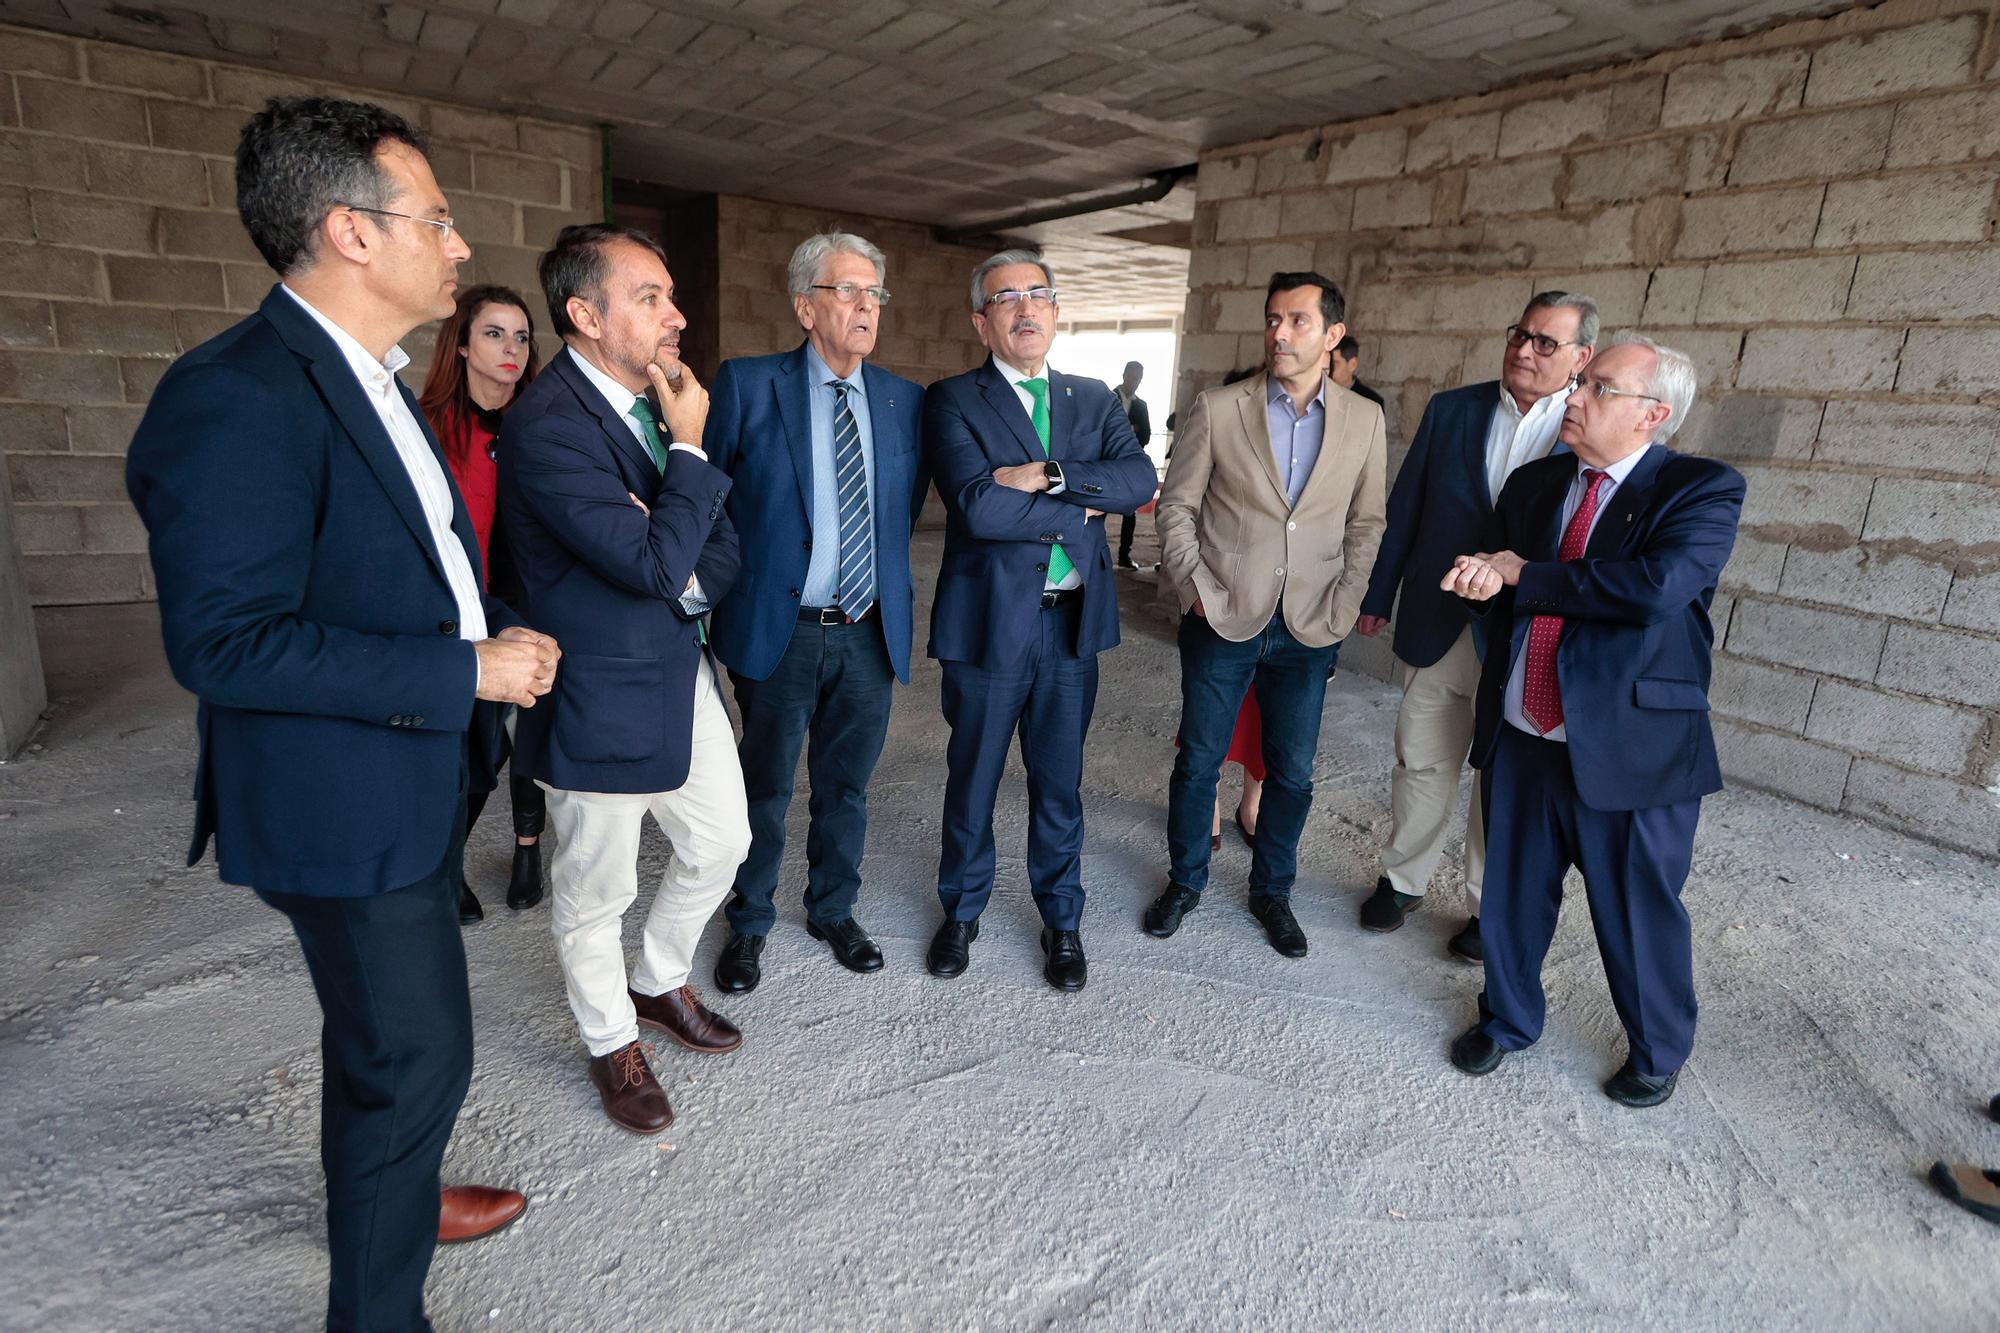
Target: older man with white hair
column 1592, row 733
column 823, row 453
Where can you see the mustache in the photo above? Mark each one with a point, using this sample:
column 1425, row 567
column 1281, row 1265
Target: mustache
column 1025, row 326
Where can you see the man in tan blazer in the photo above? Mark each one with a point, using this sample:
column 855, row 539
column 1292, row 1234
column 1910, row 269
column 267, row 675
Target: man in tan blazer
column 1268, row 521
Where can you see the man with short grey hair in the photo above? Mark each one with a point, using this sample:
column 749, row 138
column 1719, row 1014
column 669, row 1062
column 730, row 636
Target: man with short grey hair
column 827, row 480
column 1470, row 441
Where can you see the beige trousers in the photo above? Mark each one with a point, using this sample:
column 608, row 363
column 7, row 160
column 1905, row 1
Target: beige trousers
column 1433, row 738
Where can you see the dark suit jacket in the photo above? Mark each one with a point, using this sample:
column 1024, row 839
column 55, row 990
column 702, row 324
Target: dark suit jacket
column 760, row 434
column 606, row 580
column 1141, row 418
column 1369, row 393
column 1635, row 652
column 997, row 539
column 303, row 602
column 1437, row 507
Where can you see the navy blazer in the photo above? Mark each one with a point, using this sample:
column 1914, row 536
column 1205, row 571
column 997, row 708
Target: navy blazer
column 606, row 579
column 303, row 603
column 997, row 539
column 1635, row 652
column 760, row 433
column 1438, row 505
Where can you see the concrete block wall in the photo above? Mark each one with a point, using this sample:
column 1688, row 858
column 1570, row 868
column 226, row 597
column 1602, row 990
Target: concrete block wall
column 120, row 249
column 927, row 328
column 1810, row 212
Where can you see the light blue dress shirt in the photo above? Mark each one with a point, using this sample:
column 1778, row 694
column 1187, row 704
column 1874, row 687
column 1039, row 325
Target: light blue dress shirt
column 822, row 585
column 1295, row 438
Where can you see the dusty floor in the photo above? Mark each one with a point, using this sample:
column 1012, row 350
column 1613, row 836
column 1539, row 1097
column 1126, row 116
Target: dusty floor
column 1210, row 1136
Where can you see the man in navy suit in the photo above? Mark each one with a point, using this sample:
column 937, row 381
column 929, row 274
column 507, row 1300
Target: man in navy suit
column 827, row 479
column 320, row 593
column 1470, row 441
column 1593, row 738
column 1027, row 461
column 621, row 538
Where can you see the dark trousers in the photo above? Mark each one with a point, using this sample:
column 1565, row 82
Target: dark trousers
column 529, row 801
column 1047, row 700
column 1125, row 527
column 1290, row 680
column 1634, row 864
column 833, row 682
column 396, row 1041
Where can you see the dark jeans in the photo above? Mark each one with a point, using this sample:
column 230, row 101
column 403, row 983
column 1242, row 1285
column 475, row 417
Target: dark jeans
column 396, row 1041
column 1047, row 701
column 1290, row 680
column 834, row 681
column 530, row 802
column 1125, row 528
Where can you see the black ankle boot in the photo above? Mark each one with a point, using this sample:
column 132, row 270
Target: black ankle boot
column 524, row 886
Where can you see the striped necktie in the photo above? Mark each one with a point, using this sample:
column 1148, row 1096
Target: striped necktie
column 857, row 530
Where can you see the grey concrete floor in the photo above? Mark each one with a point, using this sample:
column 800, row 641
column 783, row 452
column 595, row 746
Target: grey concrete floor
column 1210, row 1136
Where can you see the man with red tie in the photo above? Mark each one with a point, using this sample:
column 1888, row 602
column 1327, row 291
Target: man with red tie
column 1592, row 733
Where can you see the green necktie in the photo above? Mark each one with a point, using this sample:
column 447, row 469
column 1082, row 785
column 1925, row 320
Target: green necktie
column 641, row 411
column 1060, row 564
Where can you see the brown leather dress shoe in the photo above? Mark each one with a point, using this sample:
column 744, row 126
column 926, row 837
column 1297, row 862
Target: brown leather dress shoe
column 681, row 1015
column 467, row 1212
column 632, row 1097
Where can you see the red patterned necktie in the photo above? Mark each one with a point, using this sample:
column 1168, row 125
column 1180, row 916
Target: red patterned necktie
column 1541, row 693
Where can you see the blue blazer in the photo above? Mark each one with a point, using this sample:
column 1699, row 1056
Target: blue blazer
column 997, row 539
column 1438, row 505
column 1635, row 652
column 605, row 579
column 760, row 433
column 303, row 603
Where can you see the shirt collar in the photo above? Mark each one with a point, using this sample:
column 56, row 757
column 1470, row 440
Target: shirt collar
column 1015, row 374
column 1559, row 398
column 1274, row 388
column 1621, row 469
column 620, row 397
column 821, row 372
column 372, row 373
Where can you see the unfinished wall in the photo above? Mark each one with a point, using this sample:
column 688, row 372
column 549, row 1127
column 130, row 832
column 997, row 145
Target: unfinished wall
column 120, row 249
column 1810, row 213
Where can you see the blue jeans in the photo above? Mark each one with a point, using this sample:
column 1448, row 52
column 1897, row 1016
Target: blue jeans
column 1290, row 680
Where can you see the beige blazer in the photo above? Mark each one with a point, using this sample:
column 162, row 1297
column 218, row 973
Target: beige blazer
column 1228, row 536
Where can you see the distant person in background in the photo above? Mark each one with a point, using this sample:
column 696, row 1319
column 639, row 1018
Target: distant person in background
column 1345, row 370
column 1142, row 426
column 485, row 356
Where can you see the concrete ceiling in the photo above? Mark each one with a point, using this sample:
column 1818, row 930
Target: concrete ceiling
column 957, row 112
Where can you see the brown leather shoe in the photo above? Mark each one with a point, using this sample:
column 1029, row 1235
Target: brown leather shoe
column 681, row 1015
column 467, row 1212
column 632, row 1097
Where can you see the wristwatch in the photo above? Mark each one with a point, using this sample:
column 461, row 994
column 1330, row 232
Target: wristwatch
column 1053, row 471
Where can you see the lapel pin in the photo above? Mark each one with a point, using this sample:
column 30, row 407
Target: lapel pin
column 1066, row 392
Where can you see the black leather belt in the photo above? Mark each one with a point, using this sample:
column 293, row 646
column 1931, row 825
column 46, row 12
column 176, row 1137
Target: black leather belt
column 1060, row 596
column 833, row 615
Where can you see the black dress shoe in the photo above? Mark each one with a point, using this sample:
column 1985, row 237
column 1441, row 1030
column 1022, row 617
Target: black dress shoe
column 1466, row 943
column 1163, row 918
column 850, row 944
column 736, row 967
column 1066, row 969
column 1476, row 1053
column 524, row 885
column 951, row 948
column 1629, row 1087
column 1280, row 925
column 1385, row 908
column 469, row 909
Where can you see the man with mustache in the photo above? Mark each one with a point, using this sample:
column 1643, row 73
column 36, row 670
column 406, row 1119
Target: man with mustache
column 622, row 539
column 1027, row 460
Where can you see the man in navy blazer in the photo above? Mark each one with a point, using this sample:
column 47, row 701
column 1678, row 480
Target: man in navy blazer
column 1470, row 441
column 827, row 477
column 619, row 530
column 1593, row 736
column 319, row 593
column 1027, row 461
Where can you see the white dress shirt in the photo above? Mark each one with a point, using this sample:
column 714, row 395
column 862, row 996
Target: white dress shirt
column 427, row 475
column 1073, row 579
column 1614, row 477
column 1515, row 437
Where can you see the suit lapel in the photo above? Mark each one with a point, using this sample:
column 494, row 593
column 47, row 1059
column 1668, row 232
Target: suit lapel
column 1480, row 428
column 1333, row 431
column 892, row 483
column 461, row 520
column 794, row 395
column 1253, row 407
column 621, row 436
column 1062, row 416
column 1631, row 497
column 1006, row 403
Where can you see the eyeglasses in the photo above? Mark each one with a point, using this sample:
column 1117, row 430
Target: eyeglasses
column 1599, row 390
column 1544, row 345
column 848, row 292
column 444, row 225
column 1034, row 296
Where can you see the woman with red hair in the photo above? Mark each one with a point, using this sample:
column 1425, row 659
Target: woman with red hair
column 485, row 355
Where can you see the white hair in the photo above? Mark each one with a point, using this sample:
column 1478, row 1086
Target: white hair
column 1006, row 259
column 1673, row 380
column 809, row 260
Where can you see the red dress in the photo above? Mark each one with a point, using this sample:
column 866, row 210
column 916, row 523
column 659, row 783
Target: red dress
column 478, row 477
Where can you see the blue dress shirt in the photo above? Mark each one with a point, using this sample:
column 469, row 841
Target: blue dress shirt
column 1295, row 437
column 822, row 584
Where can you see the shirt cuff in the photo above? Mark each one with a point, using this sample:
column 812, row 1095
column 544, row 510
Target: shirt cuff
column 694, row 600
column 1058, row 486
column 694, row 449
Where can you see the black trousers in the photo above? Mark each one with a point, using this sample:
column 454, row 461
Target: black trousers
column 530, row 802
column 396, row 1039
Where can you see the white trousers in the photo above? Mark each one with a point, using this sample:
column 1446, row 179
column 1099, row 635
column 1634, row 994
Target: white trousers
column 594, row 876
column 1433, row 738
